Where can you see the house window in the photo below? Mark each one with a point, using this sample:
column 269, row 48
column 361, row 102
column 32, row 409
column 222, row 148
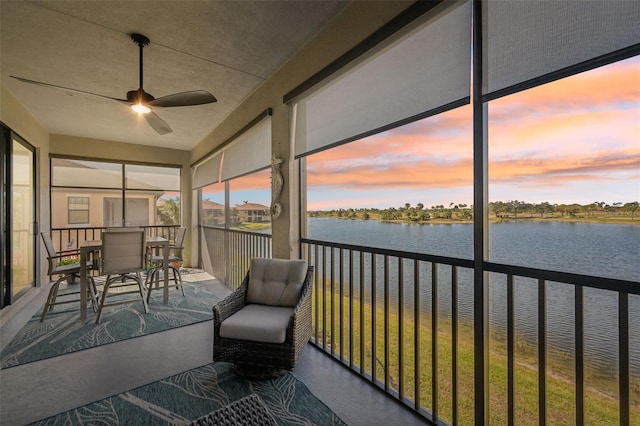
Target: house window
column 78, row 210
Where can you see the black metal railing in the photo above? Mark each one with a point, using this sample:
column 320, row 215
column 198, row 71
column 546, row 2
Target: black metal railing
column 404, row 322
column 227, row 253
column 72, row 238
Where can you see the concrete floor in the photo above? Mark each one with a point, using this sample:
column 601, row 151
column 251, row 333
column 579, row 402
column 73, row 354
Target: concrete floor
column 41, row 389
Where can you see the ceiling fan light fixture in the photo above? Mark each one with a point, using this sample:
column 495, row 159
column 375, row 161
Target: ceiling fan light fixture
column 141, row 109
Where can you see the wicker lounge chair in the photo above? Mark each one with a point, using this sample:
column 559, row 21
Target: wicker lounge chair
column 263, row 327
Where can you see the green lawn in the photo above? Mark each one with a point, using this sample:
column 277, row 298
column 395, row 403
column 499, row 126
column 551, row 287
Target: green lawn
column 601, row 405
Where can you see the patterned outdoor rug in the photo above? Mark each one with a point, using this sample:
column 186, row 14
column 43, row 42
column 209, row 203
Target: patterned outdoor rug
column 180, row 399
column 62, row 331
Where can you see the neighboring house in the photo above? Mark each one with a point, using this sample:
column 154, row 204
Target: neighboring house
column 251, row 212
column 91, row 207
column 83, row 196
column 212, row 213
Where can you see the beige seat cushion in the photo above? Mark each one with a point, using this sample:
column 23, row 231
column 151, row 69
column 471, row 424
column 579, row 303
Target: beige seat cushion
column 276, row 282
column 258, row 323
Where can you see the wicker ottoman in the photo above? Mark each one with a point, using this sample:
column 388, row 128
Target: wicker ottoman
column 247, row 411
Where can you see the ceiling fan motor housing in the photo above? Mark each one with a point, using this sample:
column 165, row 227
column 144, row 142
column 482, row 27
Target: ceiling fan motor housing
column 139, row 97
column 140, row 39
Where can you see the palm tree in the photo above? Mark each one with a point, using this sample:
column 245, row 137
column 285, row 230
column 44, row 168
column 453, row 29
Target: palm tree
column 169, row 212
column 631, row 207
column 515, row 206
column 543, row 208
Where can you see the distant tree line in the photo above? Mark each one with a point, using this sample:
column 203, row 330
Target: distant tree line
column 512, row 209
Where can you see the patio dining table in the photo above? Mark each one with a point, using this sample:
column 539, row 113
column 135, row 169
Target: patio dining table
column 96, row 245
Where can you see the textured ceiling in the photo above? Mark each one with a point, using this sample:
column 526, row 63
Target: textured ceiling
column 228, row 48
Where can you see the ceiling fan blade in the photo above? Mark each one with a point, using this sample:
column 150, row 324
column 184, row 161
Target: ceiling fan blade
column 194, row 97
column 158, row 124
column 53, row 86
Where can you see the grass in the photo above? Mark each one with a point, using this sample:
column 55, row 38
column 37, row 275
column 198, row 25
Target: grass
column 252, row 226
column 600, row 404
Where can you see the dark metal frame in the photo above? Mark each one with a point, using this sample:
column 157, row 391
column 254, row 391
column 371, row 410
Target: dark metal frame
column 6, row 181
column 122, row 188
column 5, row 217
column 480, row 225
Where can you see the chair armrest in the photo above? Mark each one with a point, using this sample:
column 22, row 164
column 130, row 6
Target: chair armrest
column 300, row 328
column 230, row 305
column 307, row 290
column 68, row 253
column 72, row 252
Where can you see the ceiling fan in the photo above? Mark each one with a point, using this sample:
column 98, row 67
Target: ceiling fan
column 141, row 101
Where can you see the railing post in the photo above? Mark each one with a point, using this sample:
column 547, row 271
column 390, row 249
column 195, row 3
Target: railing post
column 416, row 333
column 435, row 409
column 511, row 353
column 542, row 352
column 579, row 350
column 623, row 353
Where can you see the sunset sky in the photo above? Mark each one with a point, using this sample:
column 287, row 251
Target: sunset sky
column 576, row 140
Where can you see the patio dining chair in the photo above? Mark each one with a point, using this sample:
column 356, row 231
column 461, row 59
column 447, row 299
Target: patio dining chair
column 175, row 256
column 123, row 259
column 63, row 265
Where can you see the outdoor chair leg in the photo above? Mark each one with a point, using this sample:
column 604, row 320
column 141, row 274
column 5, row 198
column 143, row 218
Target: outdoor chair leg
column 151, row 278
column 105, row 290
column 93, row 294
column 141, row 288
column 144, row 300
column 51, row 298
column 54, row 294
column 153, row 281
column 178, row 279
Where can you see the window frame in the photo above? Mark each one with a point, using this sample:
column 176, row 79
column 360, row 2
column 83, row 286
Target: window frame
column 122, row 189
column 70, row 209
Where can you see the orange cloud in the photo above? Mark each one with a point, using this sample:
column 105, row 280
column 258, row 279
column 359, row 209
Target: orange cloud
column 253, row 181
column 567, row 168
column 585, row 113
column 452, row 129
column 421, row 174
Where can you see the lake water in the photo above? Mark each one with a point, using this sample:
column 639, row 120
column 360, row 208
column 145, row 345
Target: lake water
column 604, row 250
